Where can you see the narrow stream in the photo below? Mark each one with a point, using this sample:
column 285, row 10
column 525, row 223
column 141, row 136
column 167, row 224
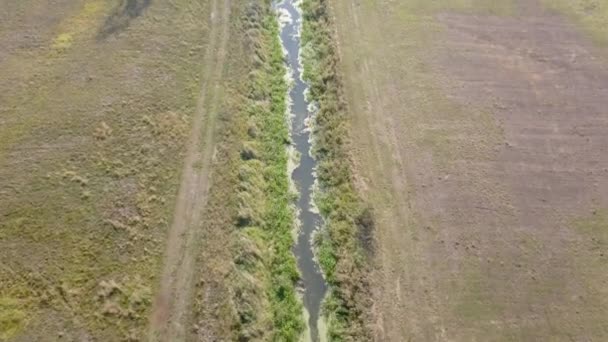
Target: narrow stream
column 303, row 176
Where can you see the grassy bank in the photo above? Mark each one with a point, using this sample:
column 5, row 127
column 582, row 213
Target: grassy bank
column 345, row 241
column 252, row 192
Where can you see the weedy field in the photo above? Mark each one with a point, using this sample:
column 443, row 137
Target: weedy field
column 479, row 138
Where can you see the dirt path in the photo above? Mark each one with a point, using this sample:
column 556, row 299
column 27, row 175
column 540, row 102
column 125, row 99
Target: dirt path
column 479, row 154
column 170, row 314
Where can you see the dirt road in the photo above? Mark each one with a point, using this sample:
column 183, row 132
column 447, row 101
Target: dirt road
column 480, row 139
column 170, row 314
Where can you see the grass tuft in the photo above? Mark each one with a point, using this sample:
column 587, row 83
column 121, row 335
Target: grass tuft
column 12, row 318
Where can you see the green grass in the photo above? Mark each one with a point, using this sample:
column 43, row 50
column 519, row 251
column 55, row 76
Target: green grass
column 595, row 225
column 439, row 120
column 12, row 318
column 476, row 303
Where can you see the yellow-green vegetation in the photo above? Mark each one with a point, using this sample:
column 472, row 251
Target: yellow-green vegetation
column 475, row 303
column 594, row 229
column 77, row 25
column 591, row 233
column 12, row 318
column 596, row 225
column 343, row 243
column 251, row 198
column 92, row 134
column 592, row 15
column 426, row 93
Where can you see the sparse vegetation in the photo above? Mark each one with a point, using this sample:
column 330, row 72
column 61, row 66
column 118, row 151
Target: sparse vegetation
column 12, row 318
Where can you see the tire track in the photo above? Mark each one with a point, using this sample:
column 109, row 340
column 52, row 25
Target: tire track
column 170, row 312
